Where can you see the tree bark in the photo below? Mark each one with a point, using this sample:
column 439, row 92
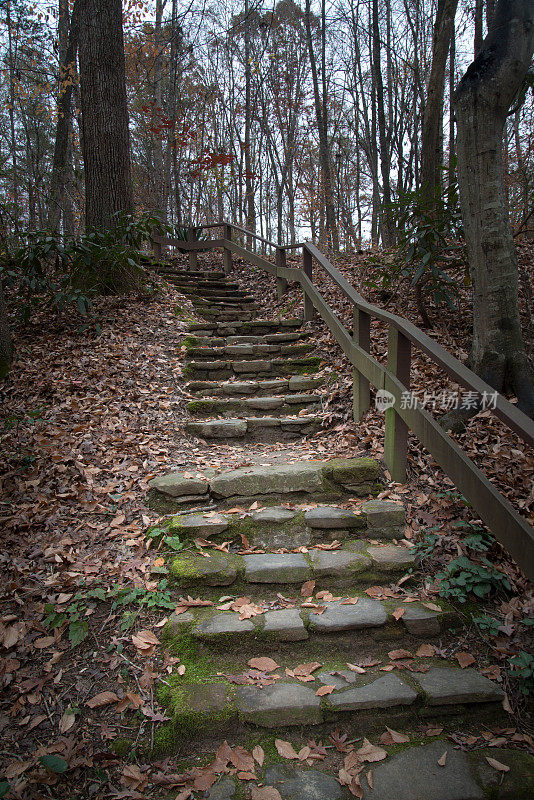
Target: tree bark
column 105, row 134
column 386, row 223
column 482, row 101
column 63, row 125
column 431, row 148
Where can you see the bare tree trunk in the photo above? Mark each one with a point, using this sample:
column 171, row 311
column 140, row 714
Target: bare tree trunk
column 250, row 214
column 11, row 109
column 387, row 224
column 159, row 173
column 105, row 134
column 431, row 149
column 67, row 68
column 482, row 101
column 322, row 125
column 479, row 33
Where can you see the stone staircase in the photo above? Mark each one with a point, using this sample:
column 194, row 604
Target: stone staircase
column 294, row 608
column 253, row 377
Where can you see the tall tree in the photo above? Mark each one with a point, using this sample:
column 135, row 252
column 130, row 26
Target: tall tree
column 431, row 149
column 5, row 338
column 105, row 134
column 321, row 113
column 67, row 66
column 482, row 102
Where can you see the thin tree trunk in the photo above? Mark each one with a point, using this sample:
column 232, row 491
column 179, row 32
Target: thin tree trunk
column 387, row 224
column 6, row 349
column 67, row 69
column 431, row 150
column 482, row 101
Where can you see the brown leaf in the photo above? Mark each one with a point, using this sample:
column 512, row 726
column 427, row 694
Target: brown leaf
column 497, row 765
column 258, row 755
column 443, row 760
column 396, row 654
column 265, row 793
column 285, row 749
column 355, row 668
column 66, row 722
column 265, row 664
column 426, row 651
column 241, row 759
column 465, row 659
column 370, row 779
column 393, row 737
column 398, row 613
column 370, row 752
column 324, row 690
column 307, row 588
column 102, row 699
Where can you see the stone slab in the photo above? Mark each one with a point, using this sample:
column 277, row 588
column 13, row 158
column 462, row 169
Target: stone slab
column 384, row 514
column 447, row 686
column 276, row 515
column 384, row 692
column 218, row 429
column 340, row 564
column 175, row 485
column 285, row 625
column 179, row 621
column 223, row 625
column 302, row 784
column 276, row 568
column 301, row 383
column 330, row 517
column 367, row 613
column 420, row 621
column 251, row 366
column 218, row 569
column 340, row 680
column 279, row 704
column 198, row 524
column 273, row 479
column 415, row 774
column 351, row 473
column 224, row 789
column 391, row 557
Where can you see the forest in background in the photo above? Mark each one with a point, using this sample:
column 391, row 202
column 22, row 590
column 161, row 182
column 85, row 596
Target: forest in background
column 236, row 111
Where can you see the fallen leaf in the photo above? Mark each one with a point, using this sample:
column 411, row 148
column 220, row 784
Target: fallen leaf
column 66, row 722
column 102, row 699
column 307, row 588
column 393, row 737
column 465, row 659
column 285, row 749
column 397, row 654
column 258, row 755
column 426, row 651
column 497, row 765
column 398, row 613
column 265, row 793
column 324, row 690
column 370, row 752
column 355, row 668
column 265, row 664
column 443, row 760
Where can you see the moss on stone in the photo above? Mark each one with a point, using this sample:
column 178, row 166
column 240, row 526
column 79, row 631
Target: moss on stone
column 121, row 746
column 203, row 406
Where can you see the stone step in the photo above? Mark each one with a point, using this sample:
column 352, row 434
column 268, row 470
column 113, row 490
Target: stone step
column 357, row 562
column 255, row 406
column 256, row 429
column 223, row 341
column 230, row 317
column 209, row 275
column 297, row 383
column 257, row 326
column 317, row 480
column 201, row 286
column 276, row 367
column 217, row 300
column 215, row 293
column 274, row 527
column 247, row 351
column 365, row 701
column 413, row 773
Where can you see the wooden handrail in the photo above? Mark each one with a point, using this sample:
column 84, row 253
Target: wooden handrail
column 512, row 530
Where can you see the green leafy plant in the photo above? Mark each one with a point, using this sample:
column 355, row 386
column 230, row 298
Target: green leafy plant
column 461, row 577
column 487, row 624
column 430, row 236
column 521, row 667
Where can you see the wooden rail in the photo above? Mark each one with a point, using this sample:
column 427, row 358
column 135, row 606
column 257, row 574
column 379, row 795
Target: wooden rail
column 511, row 530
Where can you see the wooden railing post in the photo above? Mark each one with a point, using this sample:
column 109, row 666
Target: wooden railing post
column 396, row 441
column 156, row 245
column 193, row 255
column 227, row 254
column 307, row 266
column 361, row 333
column 281, row 283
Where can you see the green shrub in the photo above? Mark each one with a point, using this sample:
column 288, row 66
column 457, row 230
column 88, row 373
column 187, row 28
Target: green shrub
column 462, row 577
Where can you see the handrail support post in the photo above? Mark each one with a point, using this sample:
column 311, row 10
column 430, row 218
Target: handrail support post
column 396, row 439
column 193, row 255
column 157, row 248
column 227, row 254
column 361, row 333
column 307, row 266
column 281, row 261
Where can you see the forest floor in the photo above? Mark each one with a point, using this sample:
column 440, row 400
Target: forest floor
column 86, row 423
